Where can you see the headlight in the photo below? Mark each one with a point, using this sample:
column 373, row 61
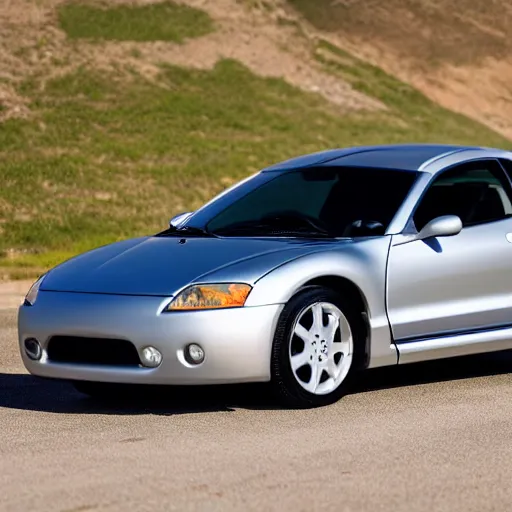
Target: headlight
column 31, row 296
column 210, row 296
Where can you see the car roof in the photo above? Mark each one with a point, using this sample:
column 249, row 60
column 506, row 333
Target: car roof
column 407, row 157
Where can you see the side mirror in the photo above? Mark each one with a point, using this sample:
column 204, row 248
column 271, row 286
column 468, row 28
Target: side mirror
column 447, row 225
column 178, row 219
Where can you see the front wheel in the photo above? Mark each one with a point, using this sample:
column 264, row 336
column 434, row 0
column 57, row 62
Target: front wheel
column 314, row 348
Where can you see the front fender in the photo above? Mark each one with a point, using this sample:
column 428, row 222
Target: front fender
column 363, row 262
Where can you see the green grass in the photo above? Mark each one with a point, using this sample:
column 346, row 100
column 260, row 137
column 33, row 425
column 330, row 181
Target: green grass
column 166, row 21
column 425, row 119
column 106, row 157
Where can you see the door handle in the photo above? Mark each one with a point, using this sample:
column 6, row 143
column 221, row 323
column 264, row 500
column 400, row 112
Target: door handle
column 508, row 236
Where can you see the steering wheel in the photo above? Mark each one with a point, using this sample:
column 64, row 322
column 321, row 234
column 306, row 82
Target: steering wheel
column 363, row 227
column 293, row 216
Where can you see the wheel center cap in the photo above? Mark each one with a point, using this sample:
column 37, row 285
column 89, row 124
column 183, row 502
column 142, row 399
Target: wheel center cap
column 320, row 350
column 323, row 351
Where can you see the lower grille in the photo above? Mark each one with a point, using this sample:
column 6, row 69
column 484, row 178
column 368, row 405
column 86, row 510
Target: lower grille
column 94, row 351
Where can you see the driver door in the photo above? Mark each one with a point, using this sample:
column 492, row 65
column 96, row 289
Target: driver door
column 458, row 284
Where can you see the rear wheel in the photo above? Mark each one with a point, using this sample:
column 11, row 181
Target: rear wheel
column 315, row 348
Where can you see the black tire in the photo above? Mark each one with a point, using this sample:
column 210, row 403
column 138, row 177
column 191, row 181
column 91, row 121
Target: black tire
column 284, row 383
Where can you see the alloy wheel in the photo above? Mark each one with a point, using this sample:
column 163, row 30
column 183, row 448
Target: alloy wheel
column 321, row 348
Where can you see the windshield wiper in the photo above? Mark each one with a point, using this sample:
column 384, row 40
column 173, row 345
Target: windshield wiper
column 258, row 228
column 186, row 231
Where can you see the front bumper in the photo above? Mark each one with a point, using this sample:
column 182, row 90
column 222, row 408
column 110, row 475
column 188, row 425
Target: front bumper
column 237, row 342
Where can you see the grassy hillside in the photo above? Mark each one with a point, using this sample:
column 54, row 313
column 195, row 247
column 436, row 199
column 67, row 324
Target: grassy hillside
column 112, row 153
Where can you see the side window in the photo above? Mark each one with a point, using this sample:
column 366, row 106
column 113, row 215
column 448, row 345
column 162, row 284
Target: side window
column 477, row 193
column 507, row 165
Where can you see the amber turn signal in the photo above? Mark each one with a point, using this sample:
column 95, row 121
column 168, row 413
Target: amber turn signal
column 211, row 296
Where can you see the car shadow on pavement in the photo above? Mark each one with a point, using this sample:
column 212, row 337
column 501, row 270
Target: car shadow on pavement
column 443, row 370
column 22, row 391
column 25, row 392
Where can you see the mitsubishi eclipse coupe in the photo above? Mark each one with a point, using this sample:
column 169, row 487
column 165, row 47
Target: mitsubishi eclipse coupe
column 300, row 275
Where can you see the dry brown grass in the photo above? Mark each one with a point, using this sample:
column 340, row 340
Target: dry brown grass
column 459, row 54
column 428, row 32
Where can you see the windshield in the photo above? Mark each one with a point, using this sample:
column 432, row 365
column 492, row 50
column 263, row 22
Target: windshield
column 334, row 202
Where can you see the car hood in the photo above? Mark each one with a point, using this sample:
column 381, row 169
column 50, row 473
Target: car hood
column 162, row 265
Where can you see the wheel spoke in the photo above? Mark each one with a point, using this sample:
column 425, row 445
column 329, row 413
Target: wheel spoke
column 316, row 375
column 299, row 360
column 343, row 346
column 302, row 333
column 318, row 323
column 332, row 327
column 345, row 331
column 336, row 348
column 332, row 369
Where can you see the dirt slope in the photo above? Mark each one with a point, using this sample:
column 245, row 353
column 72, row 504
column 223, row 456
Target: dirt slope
column 457, row 53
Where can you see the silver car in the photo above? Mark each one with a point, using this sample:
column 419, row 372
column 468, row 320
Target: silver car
column 300, row 275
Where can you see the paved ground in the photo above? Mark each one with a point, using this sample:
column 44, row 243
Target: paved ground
column 12, row 293
column 424, row 438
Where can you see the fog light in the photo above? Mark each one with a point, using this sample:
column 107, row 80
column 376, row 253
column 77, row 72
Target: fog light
column 151, row 357
column 33, row 349
column 194, row 354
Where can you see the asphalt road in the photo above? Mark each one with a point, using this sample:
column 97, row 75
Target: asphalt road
column 430, row 437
